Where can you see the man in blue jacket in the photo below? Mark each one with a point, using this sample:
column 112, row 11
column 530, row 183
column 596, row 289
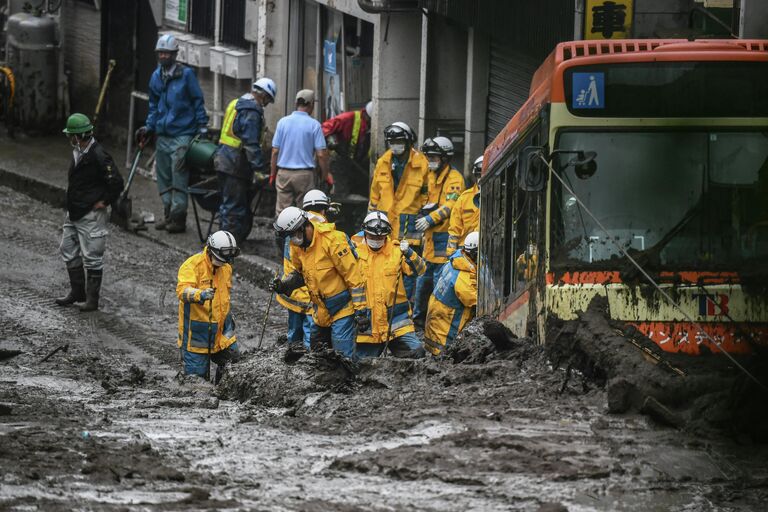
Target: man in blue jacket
column 176, row 115
column 239, row 156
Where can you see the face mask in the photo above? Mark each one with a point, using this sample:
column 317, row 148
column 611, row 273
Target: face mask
column 297, row 238
column 397, row 149
column 74, row 144
column 217, row 262
column 434, row 166
column 374, row 244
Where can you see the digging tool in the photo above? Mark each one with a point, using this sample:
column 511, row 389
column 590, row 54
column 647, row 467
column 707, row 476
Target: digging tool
column 266, row 314
column 392, row 310
column 103, row 92
column 210, row 341
column 122, row 210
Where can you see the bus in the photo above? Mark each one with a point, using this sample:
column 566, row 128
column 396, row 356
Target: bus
column 647, row 151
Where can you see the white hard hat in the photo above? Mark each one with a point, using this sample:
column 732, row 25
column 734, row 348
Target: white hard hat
column 290, row 219
column 441, row 146
column 472, row 241
column 369, row 108
column 267, row 85
column 376, row 223
column 314, row 198
column 399, row 130
column 477, row 166
column 167, row 43
column 223, row 246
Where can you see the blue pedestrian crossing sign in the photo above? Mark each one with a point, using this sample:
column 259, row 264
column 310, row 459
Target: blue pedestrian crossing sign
column 588, row 90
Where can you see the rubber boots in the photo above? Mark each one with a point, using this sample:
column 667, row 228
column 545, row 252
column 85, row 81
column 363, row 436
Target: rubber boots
column 77, row 284
column 92, row 289
column 166, row 219
column 176, row 225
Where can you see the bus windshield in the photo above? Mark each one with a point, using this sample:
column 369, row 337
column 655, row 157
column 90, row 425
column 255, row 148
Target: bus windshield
column 684, row 199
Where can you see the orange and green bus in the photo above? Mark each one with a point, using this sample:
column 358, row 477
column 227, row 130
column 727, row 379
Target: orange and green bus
column 665, row 143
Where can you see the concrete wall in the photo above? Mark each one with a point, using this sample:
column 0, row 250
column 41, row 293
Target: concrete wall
column 81, row 31
column 478, row 57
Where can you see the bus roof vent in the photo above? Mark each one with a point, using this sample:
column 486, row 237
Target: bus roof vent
column 578, row 49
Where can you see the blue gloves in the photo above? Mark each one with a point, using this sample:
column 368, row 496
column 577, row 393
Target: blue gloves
column 207, row 294
column 363, row 320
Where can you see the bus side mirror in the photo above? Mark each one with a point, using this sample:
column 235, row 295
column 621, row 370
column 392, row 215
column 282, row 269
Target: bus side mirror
column 533, row 175
column 584, row 164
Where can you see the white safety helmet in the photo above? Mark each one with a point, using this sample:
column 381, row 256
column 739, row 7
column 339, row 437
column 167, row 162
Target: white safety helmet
column 315, row 198
column 477, row 166
column 222, row 246
column 440, row 146
column 377, row 224
column 369, row 108
column 290, row 220
column 472, row 241
column 399, row 130
column 167, row 43
column 266, row 85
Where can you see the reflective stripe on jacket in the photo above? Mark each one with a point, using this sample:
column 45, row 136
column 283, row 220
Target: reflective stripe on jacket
column 298, row 301
column 227, row 136
column 445, row 188
column 465, row 218
column 204, row 323
column 332, row 274
column 381, row 269
column 452, row 303
column 402, row 205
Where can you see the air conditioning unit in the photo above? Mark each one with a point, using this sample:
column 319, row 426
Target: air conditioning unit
column 184, row 40
column 217, row 54
column 238, row 64
column 199, row 53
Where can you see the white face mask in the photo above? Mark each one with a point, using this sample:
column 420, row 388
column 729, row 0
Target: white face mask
column 374, row 244
column 297, row 239
column 434, row 166
column 217, row 262
column 397, row 149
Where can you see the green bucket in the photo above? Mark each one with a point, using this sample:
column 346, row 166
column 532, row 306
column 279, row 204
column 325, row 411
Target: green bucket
column 200, row 155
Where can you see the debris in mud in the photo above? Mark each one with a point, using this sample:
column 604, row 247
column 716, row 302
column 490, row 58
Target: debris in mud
column 485, row 339
column 6, row 354
column 62, row 348
column 706, row 393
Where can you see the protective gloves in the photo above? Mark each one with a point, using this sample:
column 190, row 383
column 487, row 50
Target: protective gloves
column 207, row 294
column 363, row 321
column 405, row 247
column 422, row 224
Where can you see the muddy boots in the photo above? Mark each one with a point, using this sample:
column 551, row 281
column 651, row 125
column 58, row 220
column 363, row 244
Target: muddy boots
column 176, row 225
column 92, row 289
column 77, row 290
column 161, row 225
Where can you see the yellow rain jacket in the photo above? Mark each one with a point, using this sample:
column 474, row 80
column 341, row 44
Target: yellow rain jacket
column 445, row 187
column 204, row 322
column 465, row 218
column 402, row 205
column 298, row 301
column 331, row 273
column 452, row 303
column 381, row 270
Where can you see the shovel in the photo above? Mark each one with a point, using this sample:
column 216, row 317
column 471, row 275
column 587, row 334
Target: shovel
column 122, row 210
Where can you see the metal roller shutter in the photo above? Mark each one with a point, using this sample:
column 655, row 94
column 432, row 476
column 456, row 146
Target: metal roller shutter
column 509, row 79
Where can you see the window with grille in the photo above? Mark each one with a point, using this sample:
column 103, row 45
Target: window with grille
column 201, row 18
column 233, row 23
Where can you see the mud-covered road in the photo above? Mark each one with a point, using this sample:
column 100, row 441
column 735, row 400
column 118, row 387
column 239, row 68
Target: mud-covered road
column 105, row 424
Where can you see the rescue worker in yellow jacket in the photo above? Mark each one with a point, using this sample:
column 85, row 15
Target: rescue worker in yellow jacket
column 316, row 204
column 326, row 263
column 206, row 326
column 445, row 186
column 454, row 299
column 399, row 187
column 384, row 262
column 465, row 215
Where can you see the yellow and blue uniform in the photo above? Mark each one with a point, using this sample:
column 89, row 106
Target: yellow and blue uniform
column 399, row 190
column 465, row 218
column 204, row 326
column 336, row 287
column 445, row 187
column 297, row 303
column 381, row 270
column 452, row 303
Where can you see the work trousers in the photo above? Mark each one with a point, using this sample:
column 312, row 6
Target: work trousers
column 172, row 175
column 291, row 185
column 424, row 285
column 234, row 211
column 406, row 346
column 197, row 364
column 340, row 335
column 83, row 241
column 299, row 327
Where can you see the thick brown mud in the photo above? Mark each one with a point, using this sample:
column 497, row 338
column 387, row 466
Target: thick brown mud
column 497, row 424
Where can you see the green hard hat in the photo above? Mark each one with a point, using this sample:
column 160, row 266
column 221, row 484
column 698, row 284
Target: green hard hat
column 78, row 123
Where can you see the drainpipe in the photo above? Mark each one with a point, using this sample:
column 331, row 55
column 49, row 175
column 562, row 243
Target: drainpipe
column 217, row 89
